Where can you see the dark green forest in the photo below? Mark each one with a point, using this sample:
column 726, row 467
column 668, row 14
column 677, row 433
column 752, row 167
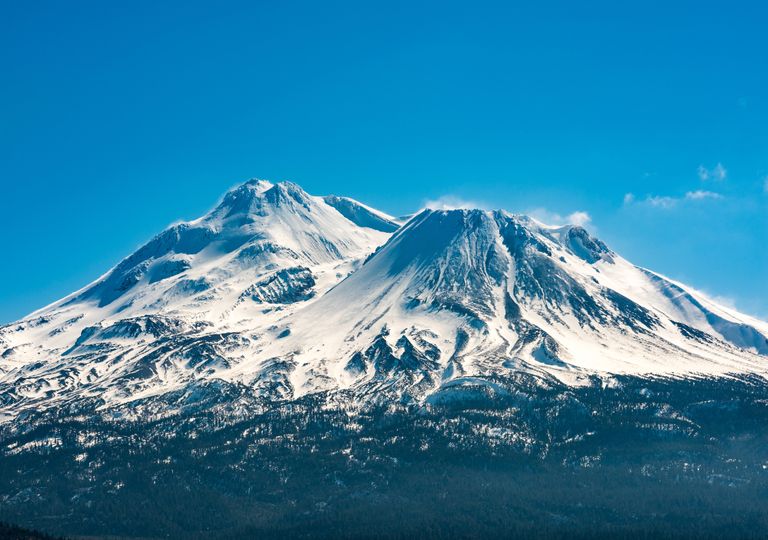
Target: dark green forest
column 641, row 459
column 14, row 532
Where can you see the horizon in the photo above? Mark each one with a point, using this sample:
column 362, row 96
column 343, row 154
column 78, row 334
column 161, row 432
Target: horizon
column 646, row 126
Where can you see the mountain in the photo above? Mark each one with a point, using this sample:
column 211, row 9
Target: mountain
column 456, row 295
column 286, row 352
column 290, row 294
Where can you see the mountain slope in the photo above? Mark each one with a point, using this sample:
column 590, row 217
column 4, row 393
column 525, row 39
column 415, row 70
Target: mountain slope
column 284, row 294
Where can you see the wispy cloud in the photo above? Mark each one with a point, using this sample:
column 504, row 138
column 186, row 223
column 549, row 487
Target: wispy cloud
column 452, row 202
column 667, row 202
column 723, row 300
column 718, row 173
column 765, row 185
column 658, row 201
column 579, row 217
column 701, row 194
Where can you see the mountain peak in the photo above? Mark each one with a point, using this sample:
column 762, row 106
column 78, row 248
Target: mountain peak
column 257, row 223
column 252, row 196
column 286, row 192
column 258, row 184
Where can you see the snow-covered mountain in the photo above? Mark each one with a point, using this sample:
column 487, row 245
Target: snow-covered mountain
column 286, row 294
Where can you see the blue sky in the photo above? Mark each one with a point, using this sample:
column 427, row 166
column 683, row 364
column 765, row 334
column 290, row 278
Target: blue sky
column 647, row 120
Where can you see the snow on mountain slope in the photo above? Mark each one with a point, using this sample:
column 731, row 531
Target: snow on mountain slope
column 456, row 295
column 363, row 215
column 289, row 294
column 180, row 307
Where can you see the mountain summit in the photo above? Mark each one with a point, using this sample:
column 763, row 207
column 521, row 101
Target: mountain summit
column 285, row 294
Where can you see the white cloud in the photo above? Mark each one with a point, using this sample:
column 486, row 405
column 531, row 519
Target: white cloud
column 728, row 302
column 725, row 301
column 579, row 217
column 718, row 173
column 658, row 201
column 452, row 202
column 666, row 202
column 700, row 194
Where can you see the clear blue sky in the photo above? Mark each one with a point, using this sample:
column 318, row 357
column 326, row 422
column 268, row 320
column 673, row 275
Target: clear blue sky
column 118, row 118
